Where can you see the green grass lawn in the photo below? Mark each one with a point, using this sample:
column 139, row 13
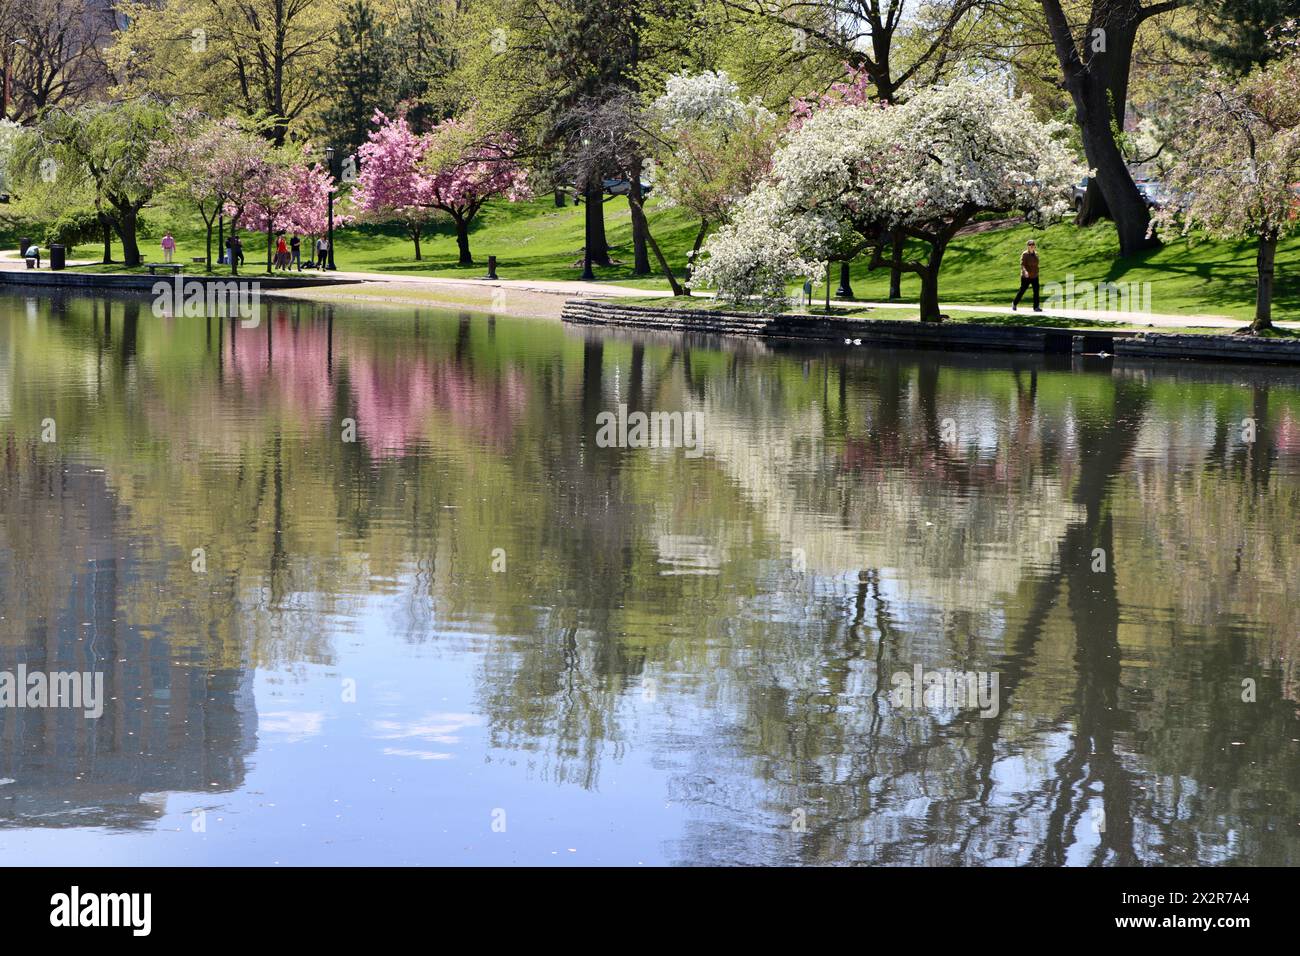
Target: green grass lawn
column 1208, row 278
column 536, row 240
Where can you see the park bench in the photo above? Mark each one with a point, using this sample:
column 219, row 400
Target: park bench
column 173, row 267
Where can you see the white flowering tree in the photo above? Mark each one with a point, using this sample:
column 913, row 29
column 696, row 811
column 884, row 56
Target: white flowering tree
column 711, row 147
column 1237, row 172
column 851, row 174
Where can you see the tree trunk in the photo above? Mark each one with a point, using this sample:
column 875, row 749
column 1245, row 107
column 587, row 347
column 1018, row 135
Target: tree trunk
column 559, row 197
column 699, row 240
column 930, row 293
column 1264, row 281
column 207, row 254
column 462, row 242
column 1093, row 206
column 895, row 273
column 659, row 257
column 108, row 239
column 1097, row 80
column 126, row 224
column 268, row 247
column 640, row 257
column 845, row 291
column 415, row 236
column 597, row 246
column 929, row 275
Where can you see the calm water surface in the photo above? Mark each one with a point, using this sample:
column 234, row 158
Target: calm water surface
column 685, row 660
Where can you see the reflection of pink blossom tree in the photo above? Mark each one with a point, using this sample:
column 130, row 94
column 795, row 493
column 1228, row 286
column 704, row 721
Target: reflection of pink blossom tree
column 399, row 399
column 392, row 183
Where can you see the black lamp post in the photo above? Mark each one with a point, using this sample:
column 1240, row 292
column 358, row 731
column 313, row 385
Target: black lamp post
column 329, row 214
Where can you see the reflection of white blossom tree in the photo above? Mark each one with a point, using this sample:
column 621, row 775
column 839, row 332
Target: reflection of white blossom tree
column 925, row 167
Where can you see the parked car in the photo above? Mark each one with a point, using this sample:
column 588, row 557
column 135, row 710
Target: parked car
column 1078, row 191
column 621, row 187
column 1154, row 192
column 615, row 187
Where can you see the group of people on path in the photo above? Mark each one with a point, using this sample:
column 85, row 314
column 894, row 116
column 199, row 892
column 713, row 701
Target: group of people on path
column 287, row 254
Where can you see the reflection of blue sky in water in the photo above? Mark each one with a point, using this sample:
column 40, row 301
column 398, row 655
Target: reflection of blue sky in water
column 332, row 782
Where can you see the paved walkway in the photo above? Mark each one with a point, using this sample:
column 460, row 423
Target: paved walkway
column 579, row 289
column 574, row 288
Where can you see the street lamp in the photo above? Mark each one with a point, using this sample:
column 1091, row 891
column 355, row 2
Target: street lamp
column 329, row 214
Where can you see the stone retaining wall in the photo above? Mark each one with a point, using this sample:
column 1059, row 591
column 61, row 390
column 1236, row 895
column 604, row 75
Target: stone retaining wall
column 1234, row 348
column 826, row 329
column 911, row 334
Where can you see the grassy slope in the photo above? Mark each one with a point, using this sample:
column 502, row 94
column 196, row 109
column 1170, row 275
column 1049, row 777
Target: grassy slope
column 1205, row 278
column 535, row 240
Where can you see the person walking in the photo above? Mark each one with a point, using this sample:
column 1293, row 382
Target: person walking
column 281, row 253
column 296, row 246
column 168, row 247
column 322, row 252
column 1028, row 274
column 237, row 250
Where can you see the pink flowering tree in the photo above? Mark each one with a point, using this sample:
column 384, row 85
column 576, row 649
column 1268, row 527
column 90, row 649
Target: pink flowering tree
column 288, row 195
column 857, row 90
column 205, row 164
column 468, row 166
column 393, row 184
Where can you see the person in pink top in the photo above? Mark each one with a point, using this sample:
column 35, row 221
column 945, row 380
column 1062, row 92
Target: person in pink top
column 168, row 247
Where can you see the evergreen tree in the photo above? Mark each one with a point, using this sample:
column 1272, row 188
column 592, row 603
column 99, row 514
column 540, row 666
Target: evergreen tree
column 363, row 67
column 1243, row 35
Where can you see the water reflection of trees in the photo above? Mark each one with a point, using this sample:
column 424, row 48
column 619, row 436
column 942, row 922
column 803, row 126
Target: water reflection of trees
column 1120, row 688
column 173, row 718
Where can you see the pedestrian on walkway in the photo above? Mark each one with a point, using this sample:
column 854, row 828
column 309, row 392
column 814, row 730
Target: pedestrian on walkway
column 322, row 252
column 281, row 253
column 296, row 245
column 1028, row 274
column 168, row 247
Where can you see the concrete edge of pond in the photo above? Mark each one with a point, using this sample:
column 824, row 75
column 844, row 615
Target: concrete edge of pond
column 909, row 334
column 135, row 281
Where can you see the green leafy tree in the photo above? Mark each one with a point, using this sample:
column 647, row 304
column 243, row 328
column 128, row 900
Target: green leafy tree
column 101, row 147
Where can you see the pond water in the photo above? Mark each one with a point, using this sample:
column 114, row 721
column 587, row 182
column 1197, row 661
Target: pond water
column 476, row 634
